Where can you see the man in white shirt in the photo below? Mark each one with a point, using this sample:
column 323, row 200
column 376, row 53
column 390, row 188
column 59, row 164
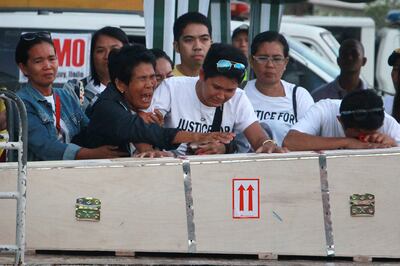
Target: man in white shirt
column 193, row 103
column 356, row 122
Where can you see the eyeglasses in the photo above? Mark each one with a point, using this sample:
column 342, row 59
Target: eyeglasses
column 30, row 36
column 264, row 59
column 224, row 66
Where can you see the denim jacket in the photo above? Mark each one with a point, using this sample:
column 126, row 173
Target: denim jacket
column 42, row 135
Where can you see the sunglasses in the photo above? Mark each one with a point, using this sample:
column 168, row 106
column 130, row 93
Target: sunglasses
column 224, row 66
column 361, row 114
column 30, row 36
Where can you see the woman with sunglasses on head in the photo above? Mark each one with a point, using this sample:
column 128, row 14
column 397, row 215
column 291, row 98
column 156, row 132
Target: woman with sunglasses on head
column 212, row 102
column 278, row 104
column 114, row 119
column 54, row 117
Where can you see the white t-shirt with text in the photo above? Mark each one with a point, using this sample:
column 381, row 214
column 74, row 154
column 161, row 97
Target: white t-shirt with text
column 176, row 98
column 276, row 114
column 322, row 120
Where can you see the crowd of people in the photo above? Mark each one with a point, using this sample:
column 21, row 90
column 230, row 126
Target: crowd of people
column 136, row 102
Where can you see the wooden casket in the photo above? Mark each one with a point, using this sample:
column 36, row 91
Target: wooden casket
column 337, row 203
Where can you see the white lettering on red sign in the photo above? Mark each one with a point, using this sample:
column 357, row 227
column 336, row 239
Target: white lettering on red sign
column 70, row 52
column 246, row 198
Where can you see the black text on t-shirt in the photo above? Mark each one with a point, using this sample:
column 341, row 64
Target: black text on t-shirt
column 284, row 116
column 193, row 126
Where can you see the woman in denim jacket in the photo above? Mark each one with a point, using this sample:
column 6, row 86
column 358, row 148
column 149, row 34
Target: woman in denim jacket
column 54, row 117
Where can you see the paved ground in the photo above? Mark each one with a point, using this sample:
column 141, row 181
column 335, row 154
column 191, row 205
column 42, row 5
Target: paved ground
column 54, row 259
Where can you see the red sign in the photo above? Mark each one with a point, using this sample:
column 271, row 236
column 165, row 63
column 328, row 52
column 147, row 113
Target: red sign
column 71, row 52
column 246, row 198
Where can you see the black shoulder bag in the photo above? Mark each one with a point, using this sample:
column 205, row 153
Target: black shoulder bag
column 294, row 103
column 216, row 127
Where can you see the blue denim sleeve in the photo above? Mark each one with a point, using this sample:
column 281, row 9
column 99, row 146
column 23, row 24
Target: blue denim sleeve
column 71, row 151
column 85, row 120
column 42, row 144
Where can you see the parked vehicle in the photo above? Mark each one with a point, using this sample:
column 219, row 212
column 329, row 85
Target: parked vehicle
column 361, row 28
column 388, row 40
column 317, row 39
column 62, row 25
column 306, row 68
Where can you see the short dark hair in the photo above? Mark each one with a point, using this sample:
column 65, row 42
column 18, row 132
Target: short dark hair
column 362, row 109
column 393, row 57
column 269, row 36
column 112, row 32
column 350, row 43
column 219, row 51
column 23, row 47
column 121, row 62
column 190, row 18
column 158, row 53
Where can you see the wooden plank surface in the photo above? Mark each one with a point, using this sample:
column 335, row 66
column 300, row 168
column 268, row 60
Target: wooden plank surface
column 143, row 204
column 291, row 217
column 378, row 174
column 142, row 208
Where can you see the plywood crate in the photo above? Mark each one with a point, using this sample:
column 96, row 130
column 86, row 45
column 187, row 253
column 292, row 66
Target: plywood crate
column 142, row 206
column 146, row 204
column 291, row 216
column 360, row 172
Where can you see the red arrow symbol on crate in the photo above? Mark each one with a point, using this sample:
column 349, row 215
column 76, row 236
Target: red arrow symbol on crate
column 241, row 198
column 250, row 189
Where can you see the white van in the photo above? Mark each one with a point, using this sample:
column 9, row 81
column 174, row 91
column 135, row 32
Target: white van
column 306, row 69
column 318, row 39
column 361, row 28
column 388, row 39
column 63, row 23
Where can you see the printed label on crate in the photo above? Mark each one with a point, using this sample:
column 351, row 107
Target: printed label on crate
column 246, row 198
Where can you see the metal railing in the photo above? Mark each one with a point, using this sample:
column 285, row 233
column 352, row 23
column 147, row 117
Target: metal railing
column 20, row 195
